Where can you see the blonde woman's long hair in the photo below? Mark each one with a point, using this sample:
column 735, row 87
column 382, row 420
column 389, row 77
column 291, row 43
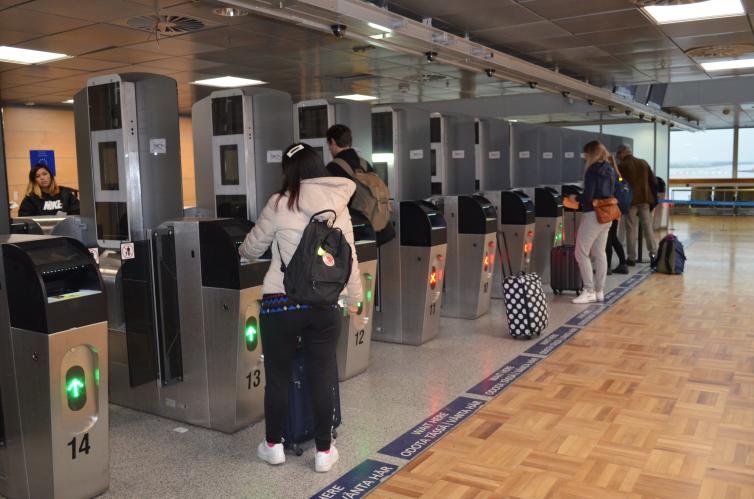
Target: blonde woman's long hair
column 33, row 187
column 596, row 151
column 614, row 164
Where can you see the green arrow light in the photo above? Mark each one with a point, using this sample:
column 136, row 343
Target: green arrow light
column 74, row 387
column 251, row 334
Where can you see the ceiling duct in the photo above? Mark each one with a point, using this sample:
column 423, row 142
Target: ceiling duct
column 165, row 24
column 663, row 3
column 719, row 51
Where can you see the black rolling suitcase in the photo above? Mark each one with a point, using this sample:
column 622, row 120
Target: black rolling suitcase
column 525, row 302
column 299, row 423
column 564, row 271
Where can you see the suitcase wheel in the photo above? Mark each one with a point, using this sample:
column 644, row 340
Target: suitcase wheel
column 298, row 450
column 555, row 291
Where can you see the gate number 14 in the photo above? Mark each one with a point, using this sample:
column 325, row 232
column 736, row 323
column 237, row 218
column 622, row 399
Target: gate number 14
column 82, row 448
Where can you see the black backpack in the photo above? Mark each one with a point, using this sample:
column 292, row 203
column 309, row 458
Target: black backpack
column 321, row 265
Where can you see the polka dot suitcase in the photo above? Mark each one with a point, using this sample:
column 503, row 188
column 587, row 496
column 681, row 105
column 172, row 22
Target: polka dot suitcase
column 525, row 304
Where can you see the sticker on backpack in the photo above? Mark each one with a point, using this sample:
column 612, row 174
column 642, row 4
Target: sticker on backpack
column 328, row 259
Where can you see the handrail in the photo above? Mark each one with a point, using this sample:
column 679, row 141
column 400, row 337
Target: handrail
column 710, row 181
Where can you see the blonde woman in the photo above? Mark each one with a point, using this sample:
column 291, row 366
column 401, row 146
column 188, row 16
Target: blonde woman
column 45, row 197
column 591, row 239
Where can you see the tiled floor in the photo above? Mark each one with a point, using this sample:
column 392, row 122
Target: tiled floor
column 403, row 386
column 655, row 398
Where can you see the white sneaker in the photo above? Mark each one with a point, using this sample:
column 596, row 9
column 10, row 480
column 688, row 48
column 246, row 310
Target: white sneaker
column 585, row 297
column 271, row 455
column 324, row 461
column 600, row 295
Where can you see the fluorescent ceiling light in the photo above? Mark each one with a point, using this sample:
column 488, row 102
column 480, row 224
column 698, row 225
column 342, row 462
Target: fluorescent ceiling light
column 381, row 36
column 26, row 56
column 228, row 82
column 723, row 65
column 710, row 9
column 379, row 27
column 357, row 97
column 69, row 101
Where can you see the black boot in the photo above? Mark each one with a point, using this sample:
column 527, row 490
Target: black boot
column 621, row 269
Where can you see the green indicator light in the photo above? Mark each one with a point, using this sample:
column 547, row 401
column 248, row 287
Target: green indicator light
column 96, row 375
column 75, row 388
column 368, row 276
column 251, row 334
column 369, row 295
column 361, row 308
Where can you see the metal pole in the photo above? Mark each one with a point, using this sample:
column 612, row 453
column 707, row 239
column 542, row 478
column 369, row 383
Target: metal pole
column 4, row 201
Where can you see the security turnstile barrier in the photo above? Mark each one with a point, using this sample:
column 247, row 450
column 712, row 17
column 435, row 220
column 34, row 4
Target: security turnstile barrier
column 54, row 372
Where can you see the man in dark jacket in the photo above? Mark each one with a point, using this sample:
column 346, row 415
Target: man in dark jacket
column 340, row 143
column 639, row 176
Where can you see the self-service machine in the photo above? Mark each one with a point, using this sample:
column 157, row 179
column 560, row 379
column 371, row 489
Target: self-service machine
column 312, row 119
column 472, row 248
column 54, row 436
column 548, row 233
column 354, row 343
column 571, row 217
column 239, row 139
column 208, row 350
column 515, row 231
column 452, row 154
column 411, row 276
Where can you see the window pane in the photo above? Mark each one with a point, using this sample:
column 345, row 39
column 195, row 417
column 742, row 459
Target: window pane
column 108, row 166
column 707, row 154
column 746, row 153
column 229, row 164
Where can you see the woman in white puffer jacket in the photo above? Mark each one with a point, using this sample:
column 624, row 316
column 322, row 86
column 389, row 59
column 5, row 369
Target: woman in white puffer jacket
column 307, row 189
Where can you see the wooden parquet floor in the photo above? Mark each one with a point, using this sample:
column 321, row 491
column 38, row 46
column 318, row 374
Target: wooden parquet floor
column 655, row 398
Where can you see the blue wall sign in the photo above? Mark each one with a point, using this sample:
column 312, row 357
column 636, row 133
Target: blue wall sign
column 44, row 157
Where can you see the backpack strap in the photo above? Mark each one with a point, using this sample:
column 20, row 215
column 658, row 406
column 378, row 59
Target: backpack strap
column 343, row 164
column 364, row 164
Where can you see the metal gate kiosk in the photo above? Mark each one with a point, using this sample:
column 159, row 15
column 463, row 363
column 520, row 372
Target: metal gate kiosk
column 516, row 221
column 472, row 231
column 411, row 274
column 548, row 206
column 54, row 374
column 355, row 340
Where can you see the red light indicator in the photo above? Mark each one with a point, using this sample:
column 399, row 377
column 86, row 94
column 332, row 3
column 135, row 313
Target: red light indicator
column 433, row 278
column 531, row 233
column 486, row 262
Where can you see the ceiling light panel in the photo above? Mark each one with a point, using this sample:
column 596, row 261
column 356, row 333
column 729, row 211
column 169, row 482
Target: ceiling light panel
column 356, row 97
column 26, row 56
column 728, row 65
column 709, row 9
column 228, row 82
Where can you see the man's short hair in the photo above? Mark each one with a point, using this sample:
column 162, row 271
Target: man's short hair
column 623, row 148
column 341, row 135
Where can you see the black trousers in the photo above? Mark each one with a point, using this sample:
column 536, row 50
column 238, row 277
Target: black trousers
column 319, row 329
column 614, row 243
